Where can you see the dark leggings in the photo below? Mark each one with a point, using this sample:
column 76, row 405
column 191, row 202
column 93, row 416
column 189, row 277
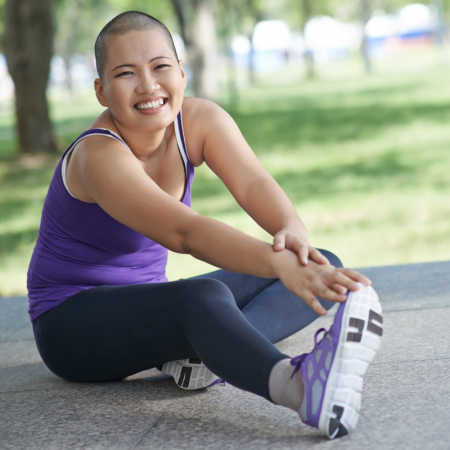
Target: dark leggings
column 229, row 320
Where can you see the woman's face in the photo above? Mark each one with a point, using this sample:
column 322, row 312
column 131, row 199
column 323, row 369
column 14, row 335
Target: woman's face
column 143, row 82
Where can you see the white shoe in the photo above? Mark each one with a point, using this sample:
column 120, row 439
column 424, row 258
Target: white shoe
column 190, row 374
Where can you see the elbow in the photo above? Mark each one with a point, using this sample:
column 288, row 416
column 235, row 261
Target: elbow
column 184, row 242
column 178, row 244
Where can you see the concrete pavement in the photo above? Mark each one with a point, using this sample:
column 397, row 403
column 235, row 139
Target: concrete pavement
column 405, row 398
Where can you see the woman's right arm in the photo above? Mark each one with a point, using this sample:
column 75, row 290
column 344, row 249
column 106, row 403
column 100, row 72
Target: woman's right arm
column 115, row 180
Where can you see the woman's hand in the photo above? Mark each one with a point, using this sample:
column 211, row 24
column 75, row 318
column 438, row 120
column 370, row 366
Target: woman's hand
column 313, row 280
column 297, row 242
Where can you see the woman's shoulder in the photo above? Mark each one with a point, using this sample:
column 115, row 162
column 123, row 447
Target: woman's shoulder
column 202, row 115
column 102, row 134
column 194, row 107
column 99, row 145
column 99, row 141
column 201, row 119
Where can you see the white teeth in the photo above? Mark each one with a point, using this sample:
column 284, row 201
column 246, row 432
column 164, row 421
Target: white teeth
column 150, row 105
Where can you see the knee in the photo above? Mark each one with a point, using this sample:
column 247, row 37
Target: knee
column 207, row 292
column 334, row 260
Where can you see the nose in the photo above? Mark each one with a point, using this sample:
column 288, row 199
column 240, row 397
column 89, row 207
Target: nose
column 147, row 84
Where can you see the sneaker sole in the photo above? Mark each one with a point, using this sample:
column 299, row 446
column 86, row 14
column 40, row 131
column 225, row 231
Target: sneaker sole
column 190, row 375
column 359, row 340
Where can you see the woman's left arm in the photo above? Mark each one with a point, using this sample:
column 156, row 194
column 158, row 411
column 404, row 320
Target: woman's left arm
column 227, row 153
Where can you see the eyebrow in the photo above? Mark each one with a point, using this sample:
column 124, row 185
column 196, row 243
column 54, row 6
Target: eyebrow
column 133, row 65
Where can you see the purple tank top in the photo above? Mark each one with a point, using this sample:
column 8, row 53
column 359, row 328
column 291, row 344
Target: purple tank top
column 80, row 246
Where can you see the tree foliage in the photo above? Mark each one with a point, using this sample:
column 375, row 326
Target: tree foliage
column 80, row 21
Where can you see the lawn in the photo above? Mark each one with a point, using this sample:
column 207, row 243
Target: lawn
column 364, row 159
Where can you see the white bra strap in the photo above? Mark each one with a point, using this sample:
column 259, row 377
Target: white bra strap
column 181, row 142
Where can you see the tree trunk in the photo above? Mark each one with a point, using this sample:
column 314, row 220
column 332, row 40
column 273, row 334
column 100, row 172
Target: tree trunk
column 70, row 19
column 181, row 17
column 365, row 17
column 203, row 54
column 200, row 39
column 308, row 55
column 439, row 32
column 257, row 16
column 28, row 45
column 69, row 81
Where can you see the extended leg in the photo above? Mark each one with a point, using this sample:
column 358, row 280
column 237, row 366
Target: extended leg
column 268, row 305
column 110, row 332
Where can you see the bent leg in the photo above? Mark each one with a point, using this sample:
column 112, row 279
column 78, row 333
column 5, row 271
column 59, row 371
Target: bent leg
column 110, row 332
column 273, row 310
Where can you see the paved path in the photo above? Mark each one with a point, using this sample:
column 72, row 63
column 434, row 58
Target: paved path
column 405, row 398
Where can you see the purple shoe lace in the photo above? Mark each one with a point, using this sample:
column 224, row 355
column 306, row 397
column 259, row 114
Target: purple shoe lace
column 297, row 361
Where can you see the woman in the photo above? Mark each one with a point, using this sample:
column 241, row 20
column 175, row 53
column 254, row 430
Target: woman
column 100, row 303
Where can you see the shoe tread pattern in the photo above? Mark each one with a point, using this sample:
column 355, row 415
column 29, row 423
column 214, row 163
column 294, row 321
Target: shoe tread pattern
column 189, row 376
column 359, row 341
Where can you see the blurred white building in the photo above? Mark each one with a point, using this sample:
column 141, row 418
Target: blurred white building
column 6, row 82
column 179, row 46
column 329, row 38
column 274, row 44
column 413, row 25
column 82, row 71
column 267, row 51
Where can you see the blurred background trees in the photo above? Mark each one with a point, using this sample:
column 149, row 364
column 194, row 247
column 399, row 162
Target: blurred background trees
column 345, row 102
column 207, row 33
column 197, row 30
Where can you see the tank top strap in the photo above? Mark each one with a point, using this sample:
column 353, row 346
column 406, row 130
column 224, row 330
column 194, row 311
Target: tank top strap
column 91, row 132
column 181, row 141
column 98, row 132
column 181, row 144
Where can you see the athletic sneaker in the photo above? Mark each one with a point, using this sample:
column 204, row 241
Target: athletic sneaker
column 190, row 374
column 332, row 373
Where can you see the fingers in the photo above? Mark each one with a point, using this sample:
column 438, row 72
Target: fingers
column 303, row 253
column 344, row 281
column 279, row 242
column 299, row 247
column 282, row 241
column 329, row 294
column 317, row 257
column 325, row 293
column 314, row 304
column 321, row 279
column 338, row 289
column 356, row 276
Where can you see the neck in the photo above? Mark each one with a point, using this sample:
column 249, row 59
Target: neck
column 143, row 145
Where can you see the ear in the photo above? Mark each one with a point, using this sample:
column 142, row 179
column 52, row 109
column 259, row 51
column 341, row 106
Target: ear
column 100, row 92
column 183, row 73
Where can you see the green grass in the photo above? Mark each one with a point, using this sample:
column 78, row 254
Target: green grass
column 365, row 160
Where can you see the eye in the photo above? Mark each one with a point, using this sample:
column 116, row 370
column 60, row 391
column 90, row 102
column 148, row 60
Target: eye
column 160, row 66
column 124, row 73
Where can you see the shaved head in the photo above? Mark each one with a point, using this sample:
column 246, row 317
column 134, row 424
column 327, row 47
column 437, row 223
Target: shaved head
column 121, row 24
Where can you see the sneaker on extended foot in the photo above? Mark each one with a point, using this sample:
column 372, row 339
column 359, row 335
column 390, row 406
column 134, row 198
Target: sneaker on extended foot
column 332, row 373
column 190, row 374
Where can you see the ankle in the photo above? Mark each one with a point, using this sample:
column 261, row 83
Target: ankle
column 285, row 389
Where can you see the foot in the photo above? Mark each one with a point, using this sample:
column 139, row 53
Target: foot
column 190, row 374
column 332, row 374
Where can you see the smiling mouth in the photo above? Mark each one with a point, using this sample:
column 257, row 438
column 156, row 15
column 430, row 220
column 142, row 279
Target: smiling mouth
column 151, row 105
